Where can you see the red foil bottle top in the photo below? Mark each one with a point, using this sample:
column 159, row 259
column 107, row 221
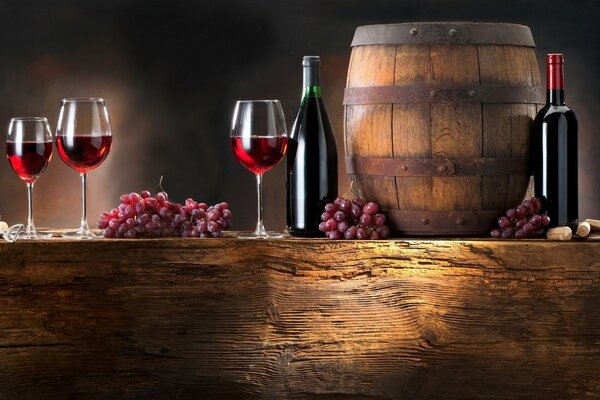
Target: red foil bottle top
column 555, row 73
column 555, row 59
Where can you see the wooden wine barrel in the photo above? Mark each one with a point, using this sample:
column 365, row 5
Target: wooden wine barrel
column 437, row 122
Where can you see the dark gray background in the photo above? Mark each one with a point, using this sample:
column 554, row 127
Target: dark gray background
column 171, row 71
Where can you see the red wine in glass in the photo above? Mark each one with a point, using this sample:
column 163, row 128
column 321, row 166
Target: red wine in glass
column 29, row 159
column 259, row 153
column 259, row 141
column 83, row 153
column 83, row 139
column 29, row 149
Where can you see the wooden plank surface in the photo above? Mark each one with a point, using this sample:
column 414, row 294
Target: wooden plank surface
column 299, row 319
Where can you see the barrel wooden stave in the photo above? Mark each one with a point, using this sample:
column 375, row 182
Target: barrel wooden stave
column 374, row 120
column 441, row 128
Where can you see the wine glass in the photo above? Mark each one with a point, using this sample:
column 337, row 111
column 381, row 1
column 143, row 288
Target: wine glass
column 29, row 149
column 259, row 141
column 83, row 139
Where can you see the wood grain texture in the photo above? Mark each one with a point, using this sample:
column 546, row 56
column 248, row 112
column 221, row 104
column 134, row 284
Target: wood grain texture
column 497, row 139
column 411, row 127
column 456, row 129
column 368, row 128
column 299, row 319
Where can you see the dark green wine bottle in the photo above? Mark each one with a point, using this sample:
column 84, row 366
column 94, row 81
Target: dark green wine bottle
column 312, row 174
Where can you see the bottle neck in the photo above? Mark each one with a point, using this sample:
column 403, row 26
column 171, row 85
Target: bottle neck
column 555, row 78
column 312, row 86
column 555, row 97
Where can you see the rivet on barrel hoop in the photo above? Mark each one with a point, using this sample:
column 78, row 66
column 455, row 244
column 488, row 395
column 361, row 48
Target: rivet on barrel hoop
column 452, row 32
column 404, row 167
column 413, row 31
column 441, row 168
column 432, row 93
column 425, row 221
column 471, row 93
column 460, row 221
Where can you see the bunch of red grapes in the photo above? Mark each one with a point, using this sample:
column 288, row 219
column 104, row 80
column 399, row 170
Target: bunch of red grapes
column 353, row 219
column 146, row 215
column 523, row 221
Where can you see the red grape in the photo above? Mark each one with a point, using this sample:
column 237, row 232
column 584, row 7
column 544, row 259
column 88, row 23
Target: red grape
column 162, row 197
column 342, row 226
column 371, row 208
column 358, row 201
column 378, row 219
column 504, row 222
column 507, row 233
column 535, row 220
column 536, row 204
column 521, row 211
column 134, row 197
column 521, row 234
column 334, row 234
column 350, row 233
column 345, row 205
column 323, row 226
column 339, row 216
column 365, row 219
column 362, row 233
column 331, row 224
column 331, row 207
column 356, row 211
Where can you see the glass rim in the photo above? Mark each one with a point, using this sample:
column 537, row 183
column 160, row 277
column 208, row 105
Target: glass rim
column 82, row 100
column 29, row 119
column 258, row 101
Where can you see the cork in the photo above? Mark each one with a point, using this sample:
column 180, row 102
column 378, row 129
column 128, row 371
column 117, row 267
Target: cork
column 583, row 229
column 594, row 224
column 559, row 233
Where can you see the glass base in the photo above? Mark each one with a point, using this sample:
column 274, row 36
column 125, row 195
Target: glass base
column 264, row 235
column 79, row 234
column 34, row 235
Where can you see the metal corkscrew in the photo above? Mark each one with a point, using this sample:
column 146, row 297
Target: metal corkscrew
column 11, row 234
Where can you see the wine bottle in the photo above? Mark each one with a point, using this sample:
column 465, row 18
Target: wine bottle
column 554, row 145
column 312, row 178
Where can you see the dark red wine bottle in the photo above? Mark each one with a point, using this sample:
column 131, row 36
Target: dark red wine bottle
column 554, row 144
column 312, row 175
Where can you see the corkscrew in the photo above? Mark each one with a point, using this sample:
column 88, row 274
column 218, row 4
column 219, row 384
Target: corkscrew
column 11, row 233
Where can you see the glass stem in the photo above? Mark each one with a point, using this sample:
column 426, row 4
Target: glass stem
column 260, row 228
column 84, row 224
column 30, row 226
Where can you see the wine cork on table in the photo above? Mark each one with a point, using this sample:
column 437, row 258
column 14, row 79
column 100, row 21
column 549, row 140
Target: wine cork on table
column 583, row 229
column 3, row 226
column 559, row 233
column 594, row 224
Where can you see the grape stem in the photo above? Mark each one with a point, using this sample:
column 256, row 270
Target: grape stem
column 351, row 190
